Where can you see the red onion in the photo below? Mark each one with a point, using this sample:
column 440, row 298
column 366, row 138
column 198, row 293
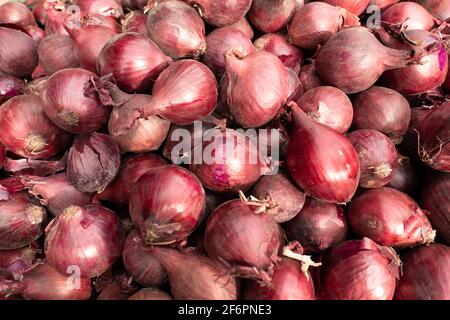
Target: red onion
column 97, row 20
column 150, row 294
column 36, row 86
column 36, row 33
column 57, row 15
column 134, row 21
column 247, row 242
column 21, row 222
column 221, row 13
column 209, row 281
column 435, row 198
column 177, row 29
column 321, row 160
column 271, row 15
column 354, row 6
column 424, row 274
column 115, row 291
column 365, row 60
column 390, row 217
column 10, row 87
column 219, row 41
column 40, row 11
column 290, row 55
column 309, row 78
column 134, row 4
column 295, row 86
column 16, row 13
column 439, row 9
column 166, row 204
column 359, row 270
column 409, row 144
column 413, row 15
column 9, row 187
column 384, row 110
column 288, row 283
column 45, row 283
column 74, row 101
column 2, row 155
column 258, row 87
column 93, row 162
column 35, row 167
column 56, row 52
column 406, row 178
column 88, row 237
column 243, row 26
column 383, row 4
column 18, row 260
column 318, row 226
column 314, row 23
column 109, row 8
column 26, row 130
column 18, row 53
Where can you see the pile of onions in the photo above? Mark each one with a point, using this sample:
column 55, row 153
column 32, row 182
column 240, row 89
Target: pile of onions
column 56, row 52
column 150, row 294
column 440, row 9
column 383, row 110
column 354, row 6
column 10, row 87
column 309, row 78
column 108, row 8
column 424, row 274
column 318, row 226
column 16, row 13
column 359, row 270
column 321, row 160
column 271, row 15
column 93, row 162
column 88, row 237
column 390, row 218
column 134, row 21
column 18, row 260
column 221, row 13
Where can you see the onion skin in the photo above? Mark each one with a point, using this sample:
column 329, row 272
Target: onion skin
column 177, row 29
column 243, row 26
column 56, row 52
column 56, row 19
column 222, row 13
column 409, row 144
column 295, row 86
column 210, row 280
column 417, row 16
column 134, row 21
column 2, row 155
column 359, row 270
column 108, row 8
column 113, row 291
column 134, row 4
column 309, row 78
column 150, row 294
column 424, row 276
column 440, row 9
column 133, row 60
column 98, row 245
column 10, row 87
column 18, row 260
column 318, row 226
column 312, row 165
column 288, row 283
column 354, row 6
column 16, row 13
column 406, row 178
column 270, row 16
column 383, row 4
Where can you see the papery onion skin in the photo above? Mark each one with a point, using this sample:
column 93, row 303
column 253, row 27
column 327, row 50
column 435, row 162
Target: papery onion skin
column 309, row 78
column 222, row 13
column 134, row 21
column 440, row 9
column 10, row 87
column 424, row 274
column 354, row 6
column 108, row 8
column 242, row 25
column 318, row 226
column 18, row 260
column 56, row 52
column 271, row 16
column 150, row 294
column 414, row 15
column 98, row 245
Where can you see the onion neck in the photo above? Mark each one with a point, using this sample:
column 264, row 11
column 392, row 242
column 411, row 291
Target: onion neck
column 395, row 59
column 233, row 60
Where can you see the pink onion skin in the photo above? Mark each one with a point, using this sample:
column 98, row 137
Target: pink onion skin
column 309, row 78
column 56, row 19
column 97, row 20
column 40, row 12
column 314, row 164
column 57, row 52
column 246, row 241
column 133, row 167
column 150, row 294
column 18, row 53
column 10, row 87
column 418, row 17
column 68, row 104
column 384, row 110
column 36, row 33
column 27, row 131
column 141, row 263
column 177, row 29
column 134, row 21
column 439, row 9
column 18, row 260
column 219, row 41
column 359, row 270
column 252, row 98
column 93, row 162
column 391, row 218
column 22, row 222
column 270, row 16
column 133, row 60
column 222, row 13
column 290, row 55
column 163, row 219
column 318, row 226
column 242, row 25
column 98, row 245
column 35, row 86
column 406, row 178
column 363, row 61
column 210, row 280
column 383, row 4
column 286, row 198
column 424, row 276
column 435, row 198
column 16, row 13
column 314, row 23
column 354, row 6
column 288, row 283
column 329, row 106
column 108, row 8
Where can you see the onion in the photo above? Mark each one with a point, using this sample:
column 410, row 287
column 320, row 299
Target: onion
column 177, row 29
column 166, row 204
column 321, row 160
column 150, row 294
column 16, row 13
column 406, row 178
column 89, row 237
column 435, row 198
column 366, row 59
column 40, row 12
column 109, row 8
column 2, row 155
column 295, row 86
column 45, row 283
column 35, row 167
column 71, row 102
column 97, row 20
column 219, row 41
column 93, row 162
column 314, row 23
column 359, row 270
column 18, row 260
column 383, row 4
column 318, row 226
column 10, row 87
column 439, row 9
column 329, row 106
column 57, row 15
column 210, row 280
column 309, row 78
column 409, row 144
column 354, row 6
column 288, row 283
column 290, row 55
column 271, row 16
column 36, row 33
column 119, row 289
column 21, row 222
column 35, row 86
column 258, row 87
column 221, row 13
column 56, row 52
column 134, row 21
column 18, row 53
column 246, row 242
column 243, row 26
column 424, row 276
column 134, row 4
column 390, row 217
column 412, row 14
